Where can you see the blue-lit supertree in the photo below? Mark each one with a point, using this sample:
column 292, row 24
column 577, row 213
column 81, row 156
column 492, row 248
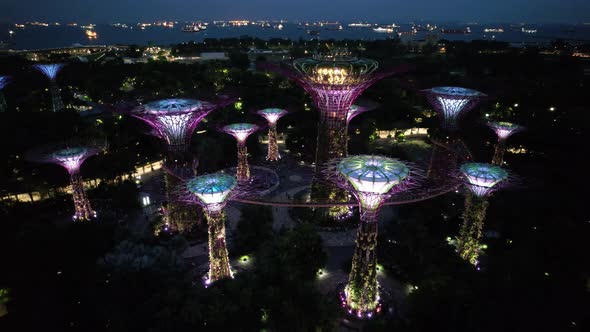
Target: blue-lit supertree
column 51, row 71
column 3, row 83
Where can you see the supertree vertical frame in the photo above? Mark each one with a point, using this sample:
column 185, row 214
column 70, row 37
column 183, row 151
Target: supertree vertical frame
column 241, row 131
column 334, row 81
column 272, row 115
column 71, row 157
column 481, row 181
column 3, row 83
column 51, row 71
column 503, row 130
column 174, row 121
column 372, row 179
column 212, row 191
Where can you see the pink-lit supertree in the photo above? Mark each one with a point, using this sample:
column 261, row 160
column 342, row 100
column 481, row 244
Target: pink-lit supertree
column 356, row 110
column 451, row 103
column 174, row 121
column 372, row 180
column 503, row 130
column 481, row 180
column 212, row 191
column 272, row 115
column 51, row 71
column 3, row 83
column 241, row 131
column 71, row 156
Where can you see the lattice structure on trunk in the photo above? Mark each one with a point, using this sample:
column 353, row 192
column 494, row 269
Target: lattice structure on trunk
column 503, row 130
column 241, row 132
column 272, row 115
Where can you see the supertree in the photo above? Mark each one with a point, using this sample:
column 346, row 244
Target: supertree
column 481, row 180
column 51, row 71
column 174, row 121
column 372, row 180
column 355, row 110
column 3, row 83
column 241, row 131
column 212, row 191
column 451, row 103
column 71, row 156
column 272, row 115
column 503, row 130
column 334, row 81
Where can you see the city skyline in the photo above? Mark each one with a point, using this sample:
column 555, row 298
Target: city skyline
column 109, row 11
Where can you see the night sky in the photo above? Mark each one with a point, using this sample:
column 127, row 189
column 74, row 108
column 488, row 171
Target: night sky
column 383, row 11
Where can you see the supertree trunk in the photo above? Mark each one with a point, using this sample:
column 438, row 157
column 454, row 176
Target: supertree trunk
column 362, row 289
column 273, row 147
column 243, row 171
column 57, row 103
column 3, row 105
column 219, row 267
column 498, row 158
column 471, row 232
column 82, row 208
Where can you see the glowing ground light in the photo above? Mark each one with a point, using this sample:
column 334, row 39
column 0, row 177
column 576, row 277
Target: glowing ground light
column 450, row 102
column 482, row 178
column 373, row 174
column 504, row 129
column 212, row 188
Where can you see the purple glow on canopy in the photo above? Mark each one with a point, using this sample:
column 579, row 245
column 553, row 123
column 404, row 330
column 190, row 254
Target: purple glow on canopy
column 355, row 110
column 72, row 158
column 452, row 102
column 272, row 115
column 504, row 129
column 50, row 70
column 174, row 120
column 482, row 178
column 240, row 131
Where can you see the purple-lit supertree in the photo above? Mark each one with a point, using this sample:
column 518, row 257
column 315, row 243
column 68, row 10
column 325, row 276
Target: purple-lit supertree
column 451, row 103
column 174, row 121
column 356, row 110
column 372, row 179
column 51, row 71
column 212, row 191
column 3, row 83
column 71, row 156
column 503, row 130
column 241, row 131
column 272, row 115
column 481, row 180
column 334, row 81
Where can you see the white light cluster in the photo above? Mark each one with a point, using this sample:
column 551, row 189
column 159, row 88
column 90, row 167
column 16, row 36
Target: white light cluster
column 452, row 107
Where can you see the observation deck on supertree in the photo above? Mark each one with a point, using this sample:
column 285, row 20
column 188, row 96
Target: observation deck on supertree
column 272, row 115
column 51, row 71
column 481, row 180
column 71, row 156
column 212, row 191
column 451, row 103
column 372, row 180
column 3, row 83
column 503, row 130
column 241, row 131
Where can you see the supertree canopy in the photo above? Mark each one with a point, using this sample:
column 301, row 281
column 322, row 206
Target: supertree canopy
column 503, row 130
column 241, row 131
column 51, row 71
column 356, row 110
column 3, row 83
column 174, row 120
column 212, row 192
column 481, row 180
column 71, row 156
column 272, row 115
column 372, row 179
column 452, row 102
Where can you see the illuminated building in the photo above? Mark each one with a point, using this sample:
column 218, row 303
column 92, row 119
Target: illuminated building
column 481, row 181
column 51, row 71
column 272, row 115
column 241, row 131
column 3, row 83
column 174, row 121
column 503, row 130
column 372, row 179
column 212, row 192
column 451, row 103
column 71, row 157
